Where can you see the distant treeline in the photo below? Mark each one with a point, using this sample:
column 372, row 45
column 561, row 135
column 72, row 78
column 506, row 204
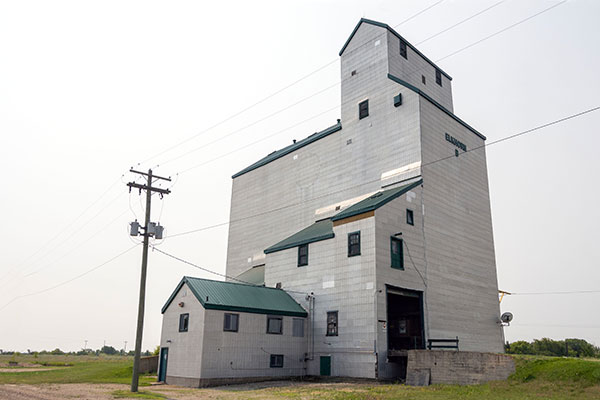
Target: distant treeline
column 558, row 348
column 108, row 350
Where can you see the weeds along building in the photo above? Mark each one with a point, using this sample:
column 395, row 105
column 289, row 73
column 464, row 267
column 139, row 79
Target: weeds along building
column 374, row 234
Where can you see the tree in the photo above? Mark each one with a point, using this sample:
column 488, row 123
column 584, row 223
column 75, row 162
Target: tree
column 581, row 348
column 108, row 350
column 156, row 351
column 520, row 347
column 57, row 351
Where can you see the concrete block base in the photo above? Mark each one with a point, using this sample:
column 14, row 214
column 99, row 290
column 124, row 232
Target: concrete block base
column 456, row 367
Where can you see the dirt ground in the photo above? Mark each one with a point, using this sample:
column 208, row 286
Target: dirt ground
column 104, row 391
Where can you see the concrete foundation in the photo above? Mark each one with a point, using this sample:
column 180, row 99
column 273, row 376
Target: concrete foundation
column 427, row 367
column 208, row 382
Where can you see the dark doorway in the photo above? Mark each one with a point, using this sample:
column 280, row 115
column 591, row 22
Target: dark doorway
column 325, row 365
column 404, row 320
column 162, row 372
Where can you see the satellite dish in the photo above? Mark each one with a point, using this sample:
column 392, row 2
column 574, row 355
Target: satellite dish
column 506, row 317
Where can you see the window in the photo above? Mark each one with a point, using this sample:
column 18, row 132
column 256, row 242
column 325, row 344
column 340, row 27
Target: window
column 332, row 323
column 438, row 77
column 363, row 109
column 303, row 255
column 276, row 361
column 275, row 325
column 298, row 327
column 423, row 79
column 398, row 100
column 403, row 49
column 354, row 244
column 410, row 217
column 397, row 252
column 184, row 322
column 231, row 322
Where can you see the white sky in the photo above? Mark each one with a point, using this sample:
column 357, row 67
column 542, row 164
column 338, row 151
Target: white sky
column 88, row 89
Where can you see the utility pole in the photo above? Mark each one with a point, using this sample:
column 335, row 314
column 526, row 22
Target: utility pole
column 150, row 229
column 125, row 347
column 85, row 346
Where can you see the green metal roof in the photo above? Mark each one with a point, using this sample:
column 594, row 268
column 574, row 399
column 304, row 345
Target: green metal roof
column 229, row 296
column 293, row 147
column 320, row 230
column 435, row 103
column 386, row 26
column 375, row 201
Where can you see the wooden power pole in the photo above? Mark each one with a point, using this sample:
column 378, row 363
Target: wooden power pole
column 147, row 233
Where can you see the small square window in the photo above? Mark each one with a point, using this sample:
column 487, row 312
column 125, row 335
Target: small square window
column 276, row 361
column 397, row 253
column 438, row 77
column 298, row 327
column 403, row 49
column 398, row 100
column 423, row 79
column 363, row 109
column 184, row 322
column 231, row 322
column 303, row 255
column 353, row 244
column 410, row 217
column 332, row 323
column 274, row 325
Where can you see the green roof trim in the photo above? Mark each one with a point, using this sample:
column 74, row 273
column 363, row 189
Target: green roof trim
column 320, row 230
column 229, row 296
column 375, row 201
column 386, row 26
column 293, row 147
column 435, row 103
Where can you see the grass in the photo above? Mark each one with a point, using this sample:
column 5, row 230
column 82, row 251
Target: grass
column 124, row 394
column 78, row 369
column 535, row 378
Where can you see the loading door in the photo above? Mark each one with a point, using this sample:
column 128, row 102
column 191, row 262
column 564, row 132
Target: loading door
column 404, row 320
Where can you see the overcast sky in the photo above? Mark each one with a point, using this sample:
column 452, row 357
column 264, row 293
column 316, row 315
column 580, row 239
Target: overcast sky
column 89, row 89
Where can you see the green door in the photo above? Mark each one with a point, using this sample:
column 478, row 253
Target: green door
column 162, row 371
column 325, row 365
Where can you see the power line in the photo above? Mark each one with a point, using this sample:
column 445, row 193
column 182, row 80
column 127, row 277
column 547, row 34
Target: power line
column 572, row 116
column 276, row 92
column 35, row 253
column 304, row 99
column 409, row 74
column 69, row 280
column 460, row 22
column 502, row 30
column 154, row 248
column 553, row 293
column 251, row 124
column 66, row 239
column 211, row 271
column 419, row 69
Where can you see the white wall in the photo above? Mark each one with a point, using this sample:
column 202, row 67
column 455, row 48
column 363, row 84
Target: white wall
column 246, row 353
column 185, row 348
column 463, row 288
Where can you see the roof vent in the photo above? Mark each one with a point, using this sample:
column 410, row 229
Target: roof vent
column 294, row 140
column 278, row 285
column 377, row 195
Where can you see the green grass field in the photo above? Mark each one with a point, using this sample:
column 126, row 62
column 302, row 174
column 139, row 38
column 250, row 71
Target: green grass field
column 72, row 369
column 535, row 378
